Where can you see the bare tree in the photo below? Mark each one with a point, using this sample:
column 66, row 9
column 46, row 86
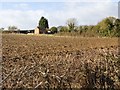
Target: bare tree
column 71, row 23
column 1, row 29
column 12, row 28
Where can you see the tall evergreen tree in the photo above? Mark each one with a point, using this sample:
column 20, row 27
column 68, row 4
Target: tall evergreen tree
column 43, row 24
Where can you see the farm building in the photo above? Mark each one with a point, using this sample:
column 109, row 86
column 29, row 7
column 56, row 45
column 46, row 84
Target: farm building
column 37, row 31
column 26, row 31
column 33, row 31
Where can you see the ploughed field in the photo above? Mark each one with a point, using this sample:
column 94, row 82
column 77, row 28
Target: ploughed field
column 30, row 61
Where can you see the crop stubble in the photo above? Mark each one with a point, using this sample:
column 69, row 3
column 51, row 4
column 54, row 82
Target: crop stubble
column 31, row 61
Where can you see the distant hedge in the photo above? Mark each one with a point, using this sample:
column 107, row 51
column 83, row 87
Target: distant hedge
column 108, row 27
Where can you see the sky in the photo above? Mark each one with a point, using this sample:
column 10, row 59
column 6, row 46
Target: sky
column 26, row 14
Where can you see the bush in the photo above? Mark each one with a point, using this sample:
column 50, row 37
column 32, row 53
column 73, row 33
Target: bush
column 53, row 30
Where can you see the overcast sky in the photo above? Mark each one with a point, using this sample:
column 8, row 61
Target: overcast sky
column 26, row 14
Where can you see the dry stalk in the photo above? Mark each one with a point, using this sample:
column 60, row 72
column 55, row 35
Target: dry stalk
column 7, row 76
column 38, row 85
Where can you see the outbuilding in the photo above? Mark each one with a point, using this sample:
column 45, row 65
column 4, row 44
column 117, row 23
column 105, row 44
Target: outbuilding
column 37, row 31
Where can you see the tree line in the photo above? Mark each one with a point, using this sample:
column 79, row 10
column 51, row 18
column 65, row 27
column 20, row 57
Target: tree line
column 109, row 26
